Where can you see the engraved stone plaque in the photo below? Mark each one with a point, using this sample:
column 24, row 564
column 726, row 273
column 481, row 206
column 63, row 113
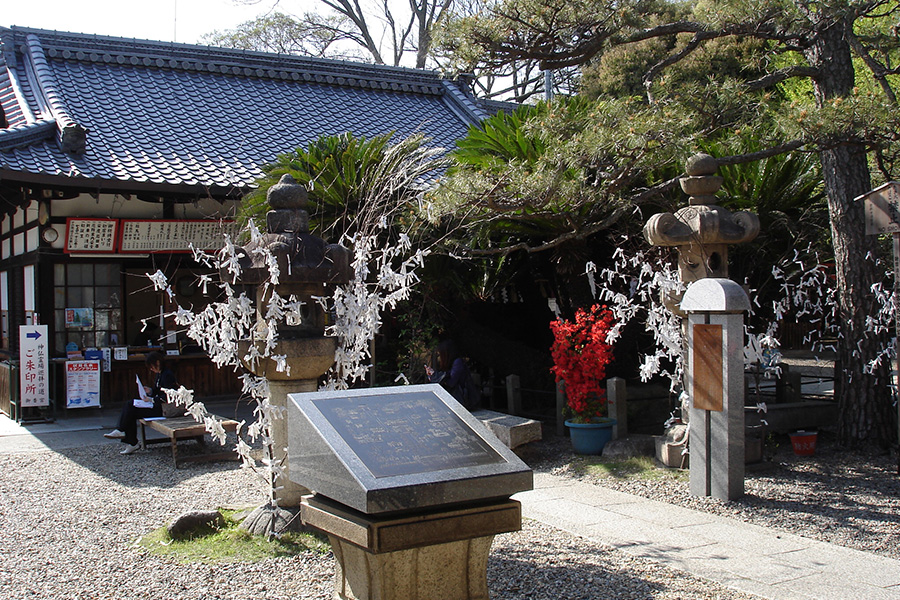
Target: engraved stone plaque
column 383, row 450
column 405, row 435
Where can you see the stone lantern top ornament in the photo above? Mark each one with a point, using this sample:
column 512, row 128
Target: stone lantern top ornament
column 701, row 231
column 301, row 256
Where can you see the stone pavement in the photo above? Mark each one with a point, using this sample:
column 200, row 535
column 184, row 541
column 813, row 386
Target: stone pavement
column 85, row 430
column 742, row 556
column 86, row 426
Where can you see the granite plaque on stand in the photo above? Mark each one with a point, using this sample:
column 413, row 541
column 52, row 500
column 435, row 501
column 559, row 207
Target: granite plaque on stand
column 383, row 450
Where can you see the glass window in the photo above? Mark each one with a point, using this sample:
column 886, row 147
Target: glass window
column 73, row 275
column 87, row 274
column 74, row 297
column 93, row 286
column 103, row 275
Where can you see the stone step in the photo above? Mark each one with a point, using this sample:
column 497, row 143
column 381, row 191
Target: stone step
column 512, row 431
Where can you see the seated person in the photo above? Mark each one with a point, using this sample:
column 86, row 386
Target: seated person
column 163, row 379
column 451, row 371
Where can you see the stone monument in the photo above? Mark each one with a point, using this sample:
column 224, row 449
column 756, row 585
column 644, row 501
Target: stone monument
column 714, row 378
column 409, row 487
column 307, row 267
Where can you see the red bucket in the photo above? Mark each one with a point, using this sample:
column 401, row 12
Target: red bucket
column 804, row 443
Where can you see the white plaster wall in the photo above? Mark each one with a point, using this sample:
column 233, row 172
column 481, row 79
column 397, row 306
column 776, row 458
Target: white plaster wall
column 4, row 290
column 29, row 288
column 114, row 206
column 32, row 240
column 31, row 213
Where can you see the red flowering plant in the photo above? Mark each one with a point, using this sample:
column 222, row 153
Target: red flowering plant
column 581, row 353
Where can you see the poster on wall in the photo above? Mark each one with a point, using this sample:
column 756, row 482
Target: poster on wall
column 34, row 371
column 82, row 383
column 80, row 317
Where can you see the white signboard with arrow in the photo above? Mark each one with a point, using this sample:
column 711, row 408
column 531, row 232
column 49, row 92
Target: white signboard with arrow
column 34, row 366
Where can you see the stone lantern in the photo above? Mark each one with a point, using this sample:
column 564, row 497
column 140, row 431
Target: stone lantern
column 713, row 333
column 307, row 268
column 701, row 231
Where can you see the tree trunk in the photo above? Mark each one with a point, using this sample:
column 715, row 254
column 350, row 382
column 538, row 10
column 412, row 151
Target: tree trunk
column 864, row 399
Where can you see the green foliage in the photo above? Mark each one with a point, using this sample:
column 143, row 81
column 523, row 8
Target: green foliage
column 500, row 139
column 230, row 544
column 638, row 467
column 353, row 180
column 523, row 176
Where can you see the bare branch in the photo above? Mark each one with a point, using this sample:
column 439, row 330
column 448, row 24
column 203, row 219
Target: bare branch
column 777, row 77
column 879, row 72
column 761, row 154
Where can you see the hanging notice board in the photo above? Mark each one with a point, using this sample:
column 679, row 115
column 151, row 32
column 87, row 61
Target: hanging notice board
column 82, row 383
column 174, row 236
column 91, row 235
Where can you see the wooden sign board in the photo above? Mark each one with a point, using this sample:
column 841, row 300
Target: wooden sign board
column 91, row 235
column 708, row 372
column 882, row 206
column 174, row 236
column 34, row 366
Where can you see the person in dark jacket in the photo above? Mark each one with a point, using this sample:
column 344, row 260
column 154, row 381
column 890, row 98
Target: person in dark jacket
column 452, row 372
column 162, row 379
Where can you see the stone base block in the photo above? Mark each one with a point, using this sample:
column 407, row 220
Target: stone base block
column 424, row 556
column 453, row 571
column 512, row 431
column 671, row 455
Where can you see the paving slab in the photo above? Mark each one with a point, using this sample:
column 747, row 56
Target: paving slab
column 746, row 557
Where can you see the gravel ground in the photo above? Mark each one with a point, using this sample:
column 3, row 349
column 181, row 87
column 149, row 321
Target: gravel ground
column 851, row 499
column 69, row 521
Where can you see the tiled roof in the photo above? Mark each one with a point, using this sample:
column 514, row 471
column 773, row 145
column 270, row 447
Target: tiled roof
column 118, row 112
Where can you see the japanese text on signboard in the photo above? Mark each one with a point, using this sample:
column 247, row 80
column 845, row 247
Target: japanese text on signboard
column 34, row 366
column 91, row 235
column 174, row 236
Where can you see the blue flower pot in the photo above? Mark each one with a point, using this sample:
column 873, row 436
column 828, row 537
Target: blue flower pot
column 590, row 438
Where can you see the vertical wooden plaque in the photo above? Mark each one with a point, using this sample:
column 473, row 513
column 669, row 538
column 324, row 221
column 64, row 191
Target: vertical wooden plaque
column 707, row 367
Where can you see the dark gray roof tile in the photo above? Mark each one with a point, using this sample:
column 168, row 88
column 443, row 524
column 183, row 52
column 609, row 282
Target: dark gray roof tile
column 181, row 114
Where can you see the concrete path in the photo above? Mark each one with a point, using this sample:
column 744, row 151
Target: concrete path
column 86, row 426
column 745, row 557
column 76, row 432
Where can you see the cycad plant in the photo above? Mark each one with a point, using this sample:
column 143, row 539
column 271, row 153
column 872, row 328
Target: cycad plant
column 353, row 182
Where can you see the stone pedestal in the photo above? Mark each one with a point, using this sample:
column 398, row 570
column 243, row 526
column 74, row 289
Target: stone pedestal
column 306, row 360
column 715, row 381
column 437, row 554
column 617, row 405
column 307, row 268
column 290, row 492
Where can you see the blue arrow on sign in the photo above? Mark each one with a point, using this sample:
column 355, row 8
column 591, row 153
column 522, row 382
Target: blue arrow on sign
column 33, row 335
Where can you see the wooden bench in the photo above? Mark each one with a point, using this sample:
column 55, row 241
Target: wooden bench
column 185, row 428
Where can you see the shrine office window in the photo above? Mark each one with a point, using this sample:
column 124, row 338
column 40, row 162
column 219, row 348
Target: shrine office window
column 87, row 305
